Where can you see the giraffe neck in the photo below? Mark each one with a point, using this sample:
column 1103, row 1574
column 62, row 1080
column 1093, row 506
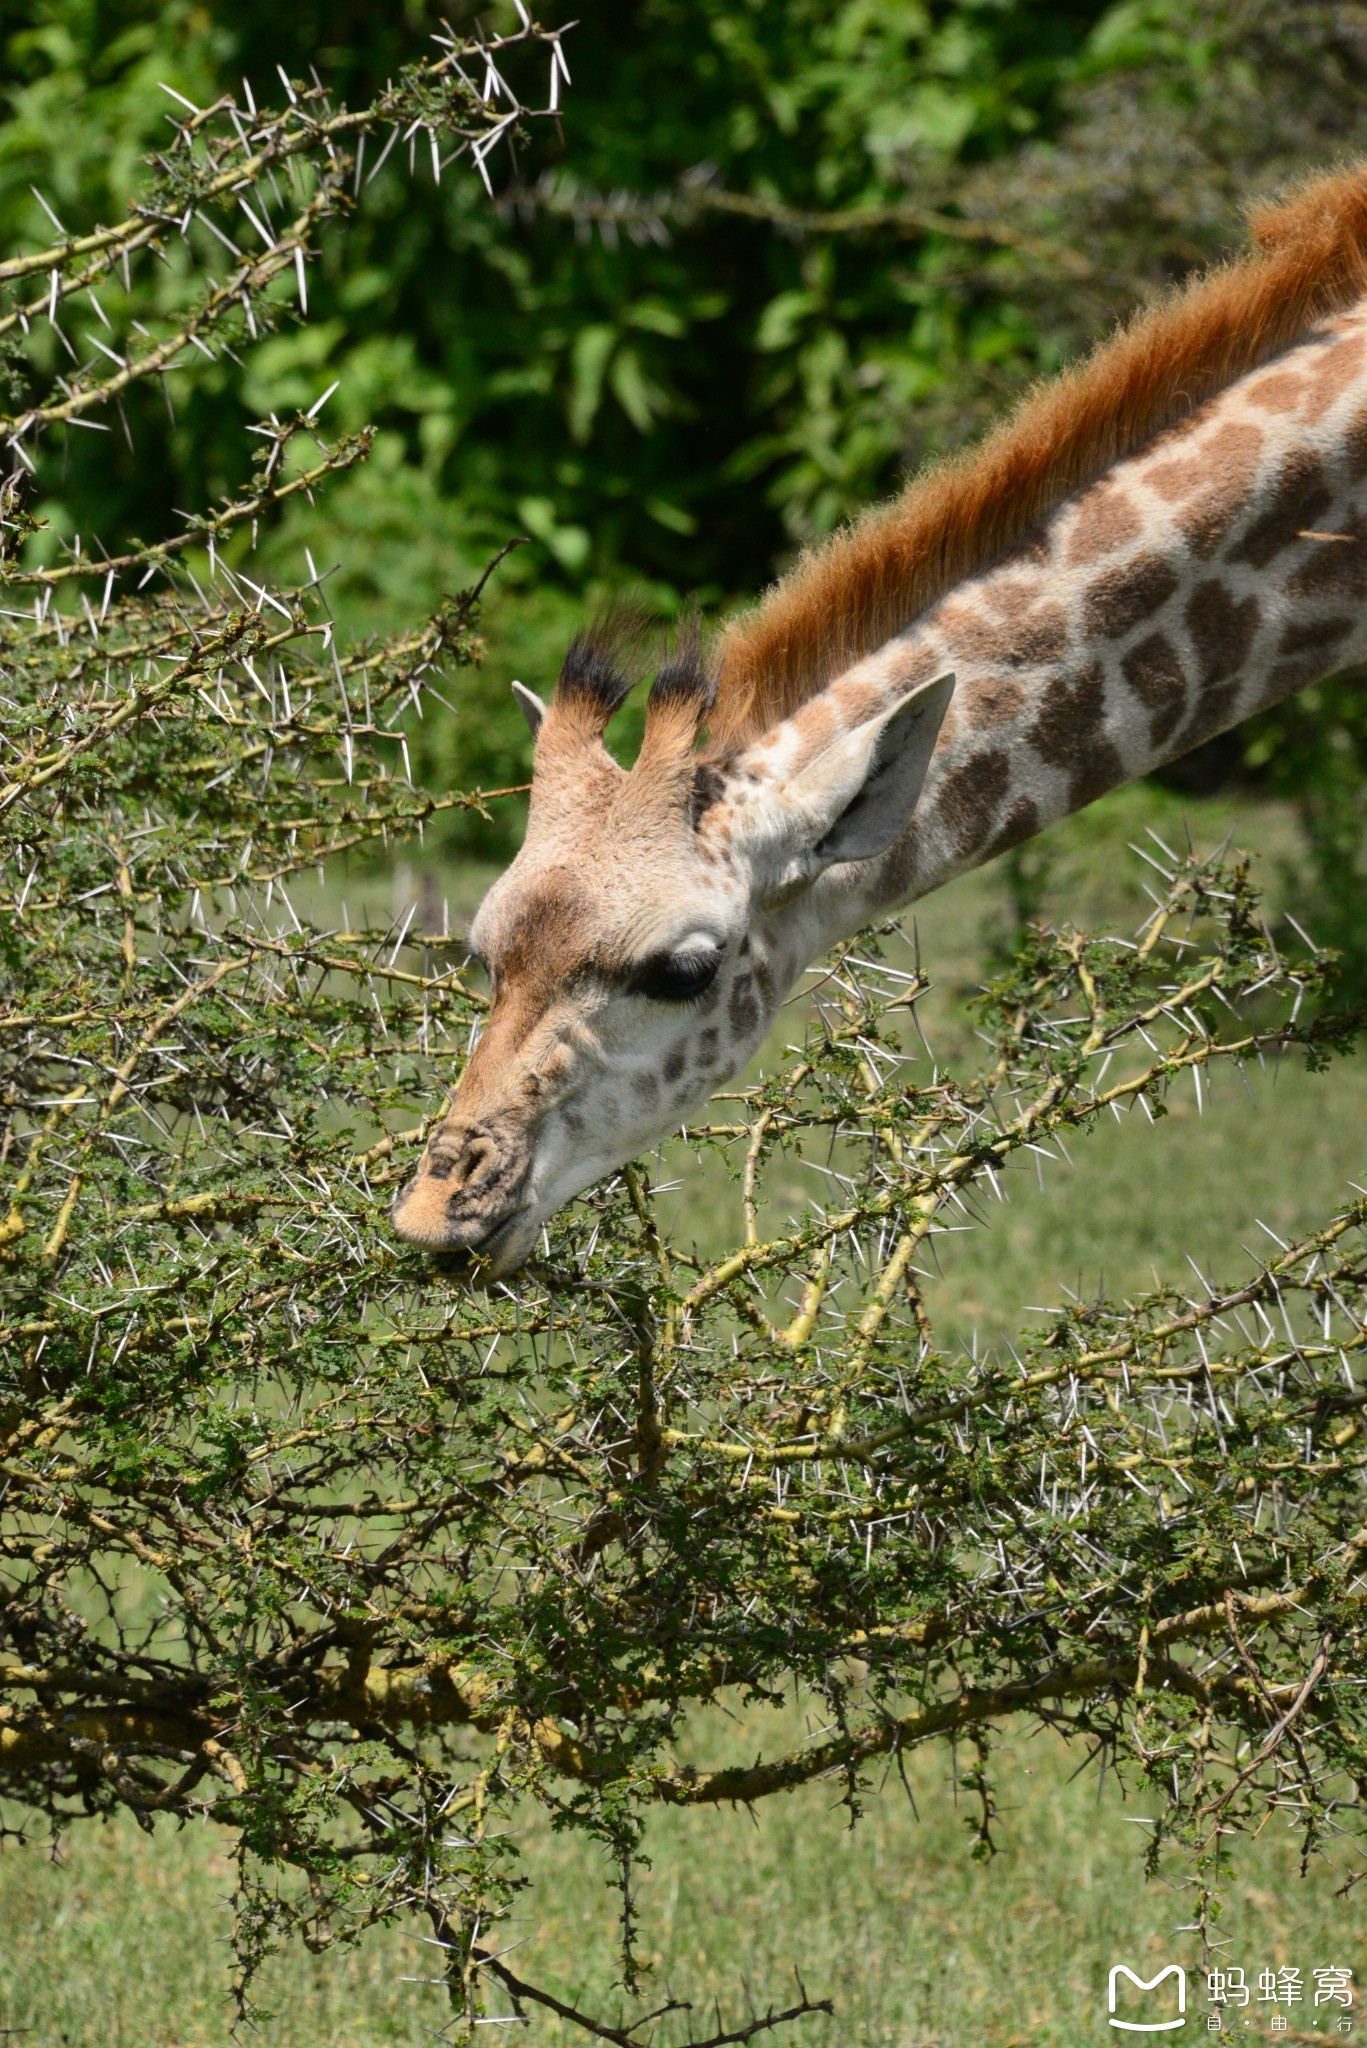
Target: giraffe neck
column 1201, row 579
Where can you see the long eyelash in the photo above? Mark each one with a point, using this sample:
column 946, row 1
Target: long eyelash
column 647, row 970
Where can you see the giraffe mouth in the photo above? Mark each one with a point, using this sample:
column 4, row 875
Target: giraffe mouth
column 491, row 1251
column 483, row 1258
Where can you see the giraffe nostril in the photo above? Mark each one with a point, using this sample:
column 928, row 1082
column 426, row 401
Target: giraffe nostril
column 465, row 1159
column 476, row 1162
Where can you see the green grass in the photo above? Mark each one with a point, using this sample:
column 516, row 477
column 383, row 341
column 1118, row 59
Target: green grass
column 121, row 1943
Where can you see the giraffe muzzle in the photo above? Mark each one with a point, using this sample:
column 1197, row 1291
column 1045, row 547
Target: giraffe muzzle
column 468, row 1190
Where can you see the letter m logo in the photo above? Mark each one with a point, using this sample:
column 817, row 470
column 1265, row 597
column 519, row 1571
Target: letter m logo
column 1148, row 1984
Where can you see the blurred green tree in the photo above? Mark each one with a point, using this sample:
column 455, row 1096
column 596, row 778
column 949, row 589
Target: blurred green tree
column 799, row 249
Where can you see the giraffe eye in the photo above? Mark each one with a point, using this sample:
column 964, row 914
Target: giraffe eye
column 677, row 977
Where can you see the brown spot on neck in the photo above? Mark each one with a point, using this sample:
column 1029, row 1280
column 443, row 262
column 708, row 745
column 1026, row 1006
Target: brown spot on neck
column 1020, row 823
column 1069, row 734
column 1331, row 374
column 1222, row 634
column 1221, row 630
column 1024, row 640
column 1153, row 670
column 991, row 700
column 1334, row 568
column 1314, row 636
column 971, row 797
column 1299, row 497
column 1121, row 599
column 1210, row 486
column 1276, row 391
column 1107, row 519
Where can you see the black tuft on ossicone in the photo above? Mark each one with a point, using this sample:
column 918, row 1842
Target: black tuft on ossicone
column 687, row 677
column 602, row 663
column 590, row 675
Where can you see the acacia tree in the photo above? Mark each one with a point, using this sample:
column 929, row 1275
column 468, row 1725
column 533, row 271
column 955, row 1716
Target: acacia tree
column 355, row 1558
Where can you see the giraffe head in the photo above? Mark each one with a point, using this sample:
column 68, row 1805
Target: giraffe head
column 652, row 922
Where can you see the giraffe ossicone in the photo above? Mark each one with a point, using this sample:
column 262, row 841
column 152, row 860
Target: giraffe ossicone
column 1162, row 542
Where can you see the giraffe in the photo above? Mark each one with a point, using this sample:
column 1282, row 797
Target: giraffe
column 1159, row 543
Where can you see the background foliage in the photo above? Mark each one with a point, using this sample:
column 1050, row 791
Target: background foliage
column 785, row 251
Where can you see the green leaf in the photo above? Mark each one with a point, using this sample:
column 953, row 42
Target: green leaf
column 588, row 365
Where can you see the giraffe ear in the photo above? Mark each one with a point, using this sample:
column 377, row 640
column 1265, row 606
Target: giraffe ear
column 531, row 706
column 889, row 756
column 858, row 794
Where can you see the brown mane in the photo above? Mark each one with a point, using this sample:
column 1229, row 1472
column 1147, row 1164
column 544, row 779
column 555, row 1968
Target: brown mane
column 869, row 581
